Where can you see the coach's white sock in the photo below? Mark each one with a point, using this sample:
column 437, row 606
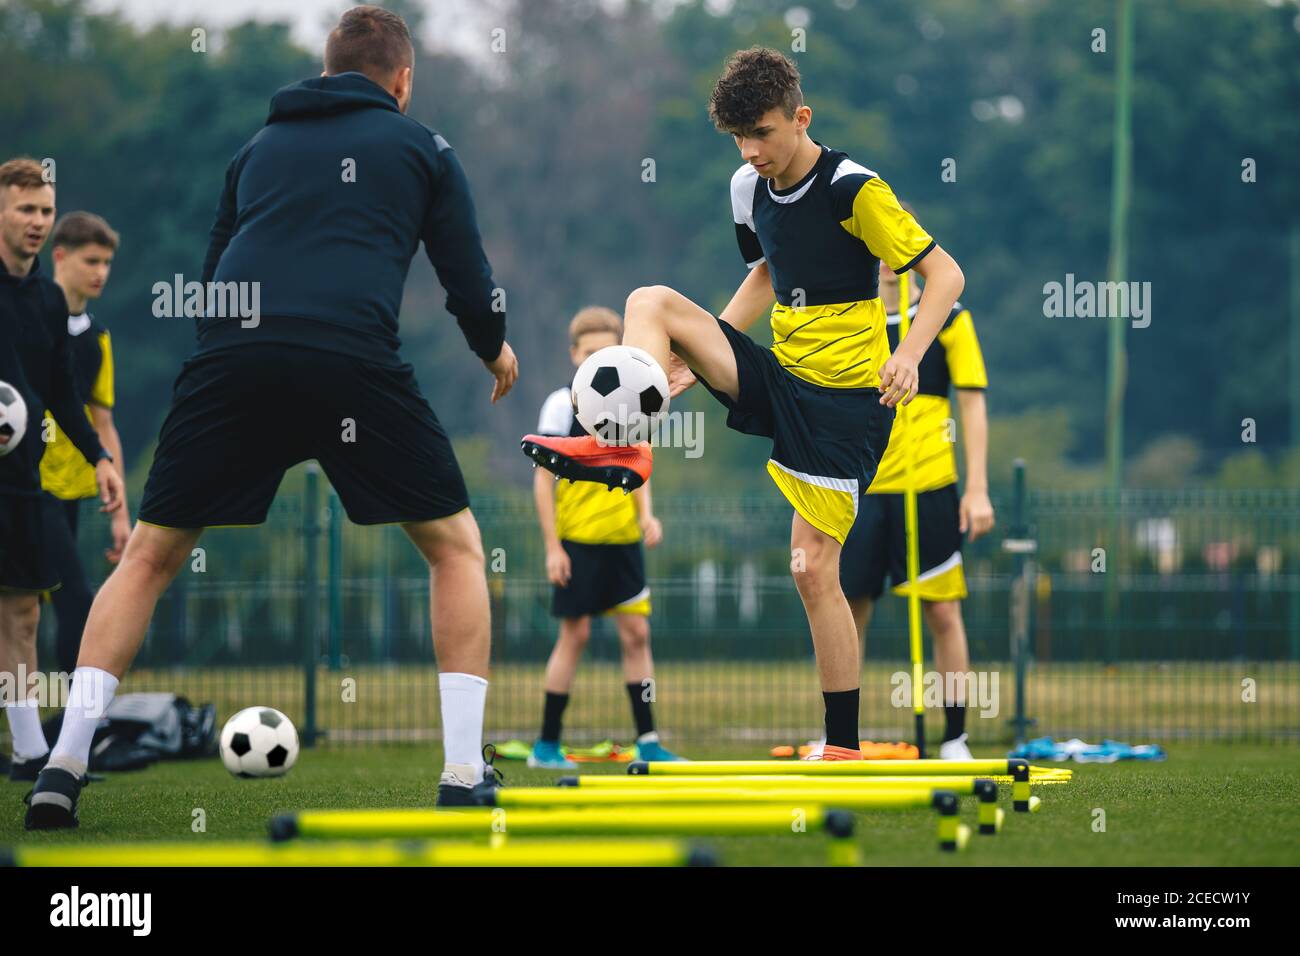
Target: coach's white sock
column 463, row 697
column 25, row 725
column 92, row 691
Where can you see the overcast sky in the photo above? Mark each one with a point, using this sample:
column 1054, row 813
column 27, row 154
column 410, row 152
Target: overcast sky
column 449, row 23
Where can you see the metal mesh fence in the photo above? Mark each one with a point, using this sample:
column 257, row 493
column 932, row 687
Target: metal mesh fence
column 1161, row 616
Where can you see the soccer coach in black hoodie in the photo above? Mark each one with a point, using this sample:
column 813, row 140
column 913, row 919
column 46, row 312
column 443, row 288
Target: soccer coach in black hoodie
column 323, row 209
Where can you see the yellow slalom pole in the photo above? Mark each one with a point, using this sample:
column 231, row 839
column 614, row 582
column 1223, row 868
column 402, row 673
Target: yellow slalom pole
column 893, row 798
column 603, row 782
column 912, row 540
column 663, row 821
column 1012, row 767
column 374, row 853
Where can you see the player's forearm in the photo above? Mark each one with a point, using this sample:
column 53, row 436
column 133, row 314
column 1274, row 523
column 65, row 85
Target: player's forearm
column 943, row 283
column 974, row 437
column 753, row 298
column 544, row 497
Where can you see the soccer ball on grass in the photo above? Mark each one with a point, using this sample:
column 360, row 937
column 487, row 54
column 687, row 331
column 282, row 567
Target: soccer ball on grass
column 259, row 742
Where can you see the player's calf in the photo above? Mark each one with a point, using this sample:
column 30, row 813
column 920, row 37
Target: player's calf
column 661, row 321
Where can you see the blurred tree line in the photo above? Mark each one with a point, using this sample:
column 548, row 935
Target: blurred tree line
column 596, row 170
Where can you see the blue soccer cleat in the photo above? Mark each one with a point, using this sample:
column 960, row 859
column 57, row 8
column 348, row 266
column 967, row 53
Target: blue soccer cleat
column 547, row 755
column 651, row 749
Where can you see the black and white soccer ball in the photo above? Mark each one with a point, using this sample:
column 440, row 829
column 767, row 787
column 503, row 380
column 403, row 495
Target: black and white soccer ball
column 259, row 742
column 619, row 394
column 13, row 418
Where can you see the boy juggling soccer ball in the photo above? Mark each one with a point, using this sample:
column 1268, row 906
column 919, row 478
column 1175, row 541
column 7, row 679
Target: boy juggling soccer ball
column 813, row 227
column 594, row 559
column 877, row 545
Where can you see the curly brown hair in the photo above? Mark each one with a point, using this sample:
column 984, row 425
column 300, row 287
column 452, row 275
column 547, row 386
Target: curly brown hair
column 755, row 81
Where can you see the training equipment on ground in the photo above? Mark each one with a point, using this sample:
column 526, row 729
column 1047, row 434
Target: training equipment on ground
column 618, row 393
column 259, row 742
column 1019, row 770
column 499, row 824
column 370, row 853
column 13, row 418
column 809, row 792
column 850, row 793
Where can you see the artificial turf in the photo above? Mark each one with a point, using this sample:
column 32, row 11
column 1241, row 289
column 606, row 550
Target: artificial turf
column 1212, row 804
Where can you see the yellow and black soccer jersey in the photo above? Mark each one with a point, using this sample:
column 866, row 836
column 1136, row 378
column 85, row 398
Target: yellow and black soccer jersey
column 586, row 512
column 64, row 472
column 823, row 239
column 925, row 426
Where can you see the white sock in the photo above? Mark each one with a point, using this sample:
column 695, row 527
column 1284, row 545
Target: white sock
column 92, row 691
column 25, row 725
column 463, row 697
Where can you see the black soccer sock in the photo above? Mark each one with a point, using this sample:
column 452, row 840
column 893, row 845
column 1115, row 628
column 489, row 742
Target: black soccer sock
column 645, row 722
column 954, row 721
column 552, row 715
column 842, row 718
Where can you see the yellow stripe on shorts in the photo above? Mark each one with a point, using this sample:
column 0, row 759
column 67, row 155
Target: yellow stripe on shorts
column 944, row 582
column 828, row 504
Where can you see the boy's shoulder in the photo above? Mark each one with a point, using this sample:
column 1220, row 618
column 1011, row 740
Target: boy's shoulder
column 556, row 417
column 847, row 176
column 744, row 183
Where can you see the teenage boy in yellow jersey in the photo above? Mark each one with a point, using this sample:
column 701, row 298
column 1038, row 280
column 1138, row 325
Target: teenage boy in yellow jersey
column 84, row 246
column 877, row 544
column 813, row 227
column 594, row 559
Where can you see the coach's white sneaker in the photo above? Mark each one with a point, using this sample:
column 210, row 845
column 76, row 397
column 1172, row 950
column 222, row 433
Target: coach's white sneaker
column 955, row 749
column 460, row 775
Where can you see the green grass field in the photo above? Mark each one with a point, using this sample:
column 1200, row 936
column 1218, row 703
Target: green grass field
column 1207, row 805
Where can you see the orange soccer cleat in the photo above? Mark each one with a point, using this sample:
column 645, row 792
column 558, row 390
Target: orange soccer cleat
column 836, row 753
column 586, row 459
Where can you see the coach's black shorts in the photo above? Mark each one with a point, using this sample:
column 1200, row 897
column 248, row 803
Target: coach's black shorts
column 241, row 416
column 26, row 563
column 604, row 578
column 826, row 442
column 877, row 547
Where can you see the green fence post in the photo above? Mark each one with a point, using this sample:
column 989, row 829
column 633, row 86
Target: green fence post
column 1020, row 544
column 335, row 583
column 311, row 598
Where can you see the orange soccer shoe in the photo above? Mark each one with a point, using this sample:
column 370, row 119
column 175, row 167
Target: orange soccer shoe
column 836, row 753
column 586, row 459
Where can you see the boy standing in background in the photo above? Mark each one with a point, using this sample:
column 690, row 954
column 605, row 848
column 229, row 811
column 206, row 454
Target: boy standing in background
column 84, row 246
column 594, row 559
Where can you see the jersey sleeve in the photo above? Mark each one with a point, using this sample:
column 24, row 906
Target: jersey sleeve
column 743, row 184
column 557, row 414
column 101, row 393
column 64, row 403
column 886, row 228
column 962, row 349
column 455, row 248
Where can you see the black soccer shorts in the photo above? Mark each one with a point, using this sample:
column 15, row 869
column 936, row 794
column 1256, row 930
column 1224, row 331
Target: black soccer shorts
column 242, row 416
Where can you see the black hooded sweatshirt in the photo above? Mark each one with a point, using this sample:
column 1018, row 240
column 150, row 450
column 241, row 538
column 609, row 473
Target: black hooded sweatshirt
column 325, row 208
column 36, row 359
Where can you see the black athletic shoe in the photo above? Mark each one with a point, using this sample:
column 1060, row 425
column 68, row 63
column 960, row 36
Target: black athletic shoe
column 28, row 770
column 455, row 791
column 52, row 803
